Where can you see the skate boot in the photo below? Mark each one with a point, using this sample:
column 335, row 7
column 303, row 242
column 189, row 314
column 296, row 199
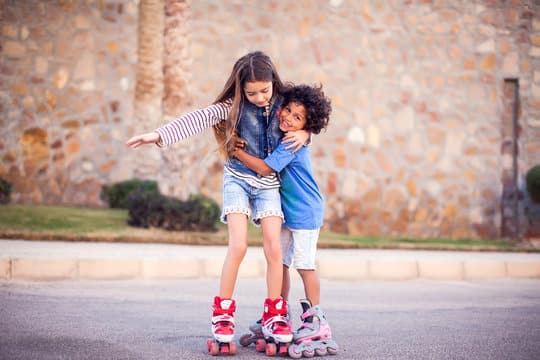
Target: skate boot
column 256, row 333
column 314, row 337
column 222, row 327
column 275, row 328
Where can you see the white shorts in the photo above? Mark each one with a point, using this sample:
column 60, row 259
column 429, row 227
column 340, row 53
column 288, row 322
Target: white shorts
column 300, row 247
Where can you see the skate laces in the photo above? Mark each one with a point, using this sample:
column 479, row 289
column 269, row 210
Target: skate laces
column 223, row 306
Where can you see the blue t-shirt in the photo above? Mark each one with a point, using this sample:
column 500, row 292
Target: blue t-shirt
column 301, row 199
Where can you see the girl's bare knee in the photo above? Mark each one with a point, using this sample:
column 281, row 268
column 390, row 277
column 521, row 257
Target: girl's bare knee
column 238, row 250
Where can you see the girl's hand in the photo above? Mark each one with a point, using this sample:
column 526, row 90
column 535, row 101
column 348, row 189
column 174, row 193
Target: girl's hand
column 236, row 143
column 296, row 139
column 148, row 138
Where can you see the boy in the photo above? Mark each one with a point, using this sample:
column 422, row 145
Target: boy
column 304, row 108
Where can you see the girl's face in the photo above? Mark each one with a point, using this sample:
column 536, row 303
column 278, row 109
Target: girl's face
column 258, row 93
column 292, row 117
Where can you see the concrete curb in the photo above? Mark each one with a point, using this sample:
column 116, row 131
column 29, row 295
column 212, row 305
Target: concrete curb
column 50, row 269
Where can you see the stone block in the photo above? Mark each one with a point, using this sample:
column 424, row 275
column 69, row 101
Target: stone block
column 252, row 268
column 479, row 270
column 440, row 270
column 5, row 269
column 212, row 267
column 109, row 269
column 523, row 269
column 171, row 268
column 393, row 270
column 344, row 269
column 43, row 269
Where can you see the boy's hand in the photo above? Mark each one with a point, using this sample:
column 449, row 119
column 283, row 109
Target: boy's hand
column 138, row 140
column 296, row 139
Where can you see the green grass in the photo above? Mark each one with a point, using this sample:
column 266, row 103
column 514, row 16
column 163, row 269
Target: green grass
column 61, row 219
column 77, row 223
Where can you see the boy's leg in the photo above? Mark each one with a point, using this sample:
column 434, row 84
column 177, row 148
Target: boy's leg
column 286, row 284
column 312, row 285
column 305, row 249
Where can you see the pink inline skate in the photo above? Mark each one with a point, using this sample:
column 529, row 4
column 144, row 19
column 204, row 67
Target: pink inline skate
column 222, row 327
column 314, row 337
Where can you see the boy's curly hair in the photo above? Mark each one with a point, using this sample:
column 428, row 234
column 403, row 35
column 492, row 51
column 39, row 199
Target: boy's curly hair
column 318, row 106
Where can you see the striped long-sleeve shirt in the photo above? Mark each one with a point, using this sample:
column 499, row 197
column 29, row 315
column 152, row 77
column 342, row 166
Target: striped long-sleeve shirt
column 199, row 120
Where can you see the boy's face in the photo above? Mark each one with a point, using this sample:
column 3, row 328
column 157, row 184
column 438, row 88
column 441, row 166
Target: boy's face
column 292, row 117
column 258, row 92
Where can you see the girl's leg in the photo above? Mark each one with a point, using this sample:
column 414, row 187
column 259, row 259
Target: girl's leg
column 237, row 228
column 271, row 228
column 312, row 285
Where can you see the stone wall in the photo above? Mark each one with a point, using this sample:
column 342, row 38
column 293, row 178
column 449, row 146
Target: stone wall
column 66, row 97
column 415, row 145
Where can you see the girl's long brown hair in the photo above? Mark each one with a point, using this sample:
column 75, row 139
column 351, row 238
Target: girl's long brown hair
column 254, row 66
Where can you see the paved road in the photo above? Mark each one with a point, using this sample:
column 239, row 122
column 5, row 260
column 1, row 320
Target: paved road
column 137, row 319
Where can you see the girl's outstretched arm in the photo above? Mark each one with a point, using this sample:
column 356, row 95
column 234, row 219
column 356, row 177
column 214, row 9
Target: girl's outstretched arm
column 296, row 139
column 138, row 140
column 185, row 126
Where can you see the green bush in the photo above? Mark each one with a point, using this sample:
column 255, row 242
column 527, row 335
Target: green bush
column 117, row 195
column 5, row 191
column 533, row 183
column 198, row 213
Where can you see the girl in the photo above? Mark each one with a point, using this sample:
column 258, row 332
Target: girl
column 246, row 106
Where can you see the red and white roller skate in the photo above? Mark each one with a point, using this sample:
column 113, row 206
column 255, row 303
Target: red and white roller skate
column 275, row 328
column 222, row 327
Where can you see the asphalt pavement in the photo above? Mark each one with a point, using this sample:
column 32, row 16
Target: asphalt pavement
column 58, row 260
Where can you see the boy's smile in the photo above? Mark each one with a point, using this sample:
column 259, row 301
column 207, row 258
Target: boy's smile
column 292, row 117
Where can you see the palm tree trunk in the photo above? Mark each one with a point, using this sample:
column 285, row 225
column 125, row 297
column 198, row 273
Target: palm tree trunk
column 149, row 87
column 177, row 57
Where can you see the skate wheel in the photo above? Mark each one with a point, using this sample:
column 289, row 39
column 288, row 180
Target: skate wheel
column 271, row 349
column 332, row 350
column 232, row 348
column 321, row 352
column 213, row 347
column 308, row 353
column 294, row 353
column 245, row 340
column 224, row 349
column 260, row 345
column 283, row 348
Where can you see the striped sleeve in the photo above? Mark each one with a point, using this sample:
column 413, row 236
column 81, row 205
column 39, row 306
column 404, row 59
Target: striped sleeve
column 193, row 123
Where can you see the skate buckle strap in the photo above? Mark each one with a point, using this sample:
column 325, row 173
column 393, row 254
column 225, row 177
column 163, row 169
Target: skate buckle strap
column 309, row 312
column 224, row 317
column 275, row 319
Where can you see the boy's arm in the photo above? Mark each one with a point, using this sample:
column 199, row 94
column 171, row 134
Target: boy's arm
column 253, row 162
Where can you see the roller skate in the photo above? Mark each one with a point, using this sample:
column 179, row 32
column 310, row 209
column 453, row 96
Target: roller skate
column 222, row 327
column 275, row 328
column 254, row 335
column 257, row 334
column 314, row 337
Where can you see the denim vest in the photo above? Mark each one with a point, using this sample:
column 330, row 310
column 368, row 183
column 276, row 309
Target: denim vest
column 260, row 130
